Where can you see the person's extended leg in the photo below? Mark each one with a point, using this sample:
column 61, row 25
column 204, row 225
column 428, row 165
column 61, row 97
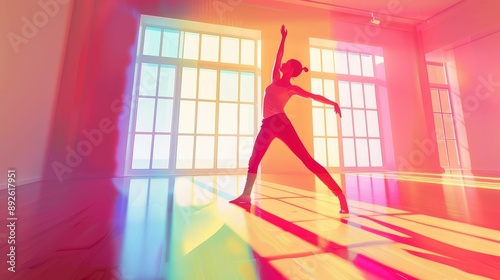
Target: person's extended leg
column 262, row 142
column 292, row 140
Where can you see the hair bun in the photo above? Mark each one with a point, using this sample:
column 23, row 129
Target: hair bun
column 305, row 69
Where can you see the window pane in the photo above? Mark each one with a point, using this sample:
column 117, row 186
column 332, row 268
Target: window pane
column 142, row 152
column 201, row 196
column 333, row 152
column 185, row 152
column 443, row 153
column 331, row 122
column 149, row 76
column 448, row 126
column 318, row 122
column 320, row 150
column 340, row 62
column 164, row 115
column 327, row 59
column 204, row 152
column 370, row 98
column 208, row 84
column 330, row 89
column 247, row 52
column 152, row 37
column 247, row 120
column 228, row 86
column 346, row 123
column 315, row 57
column 438, row 121
column 167, row 81
column 367, row 65
column 453, row 153
column 186, row 116
column 170, row 47
column 445, row 101
column 206, row 118
column 357, row 95
column 145, row 115
column 191, row 45
column 137, row 207
column 161, row 151
column 372, row 123
column 189, row 78
column 247, row 88
column 436, row 74
column 345, row 94
column 349, row 154
column 259, row 89
column 230, row 50
column 259, row 53
column 317, row 88
column 209, row 47
column 228, row 118
column 435, row 100
column 226, row 152
column 245, row 151
column 362, row 153
column 158, row 200
column 354, row 64
column 359, row 123
column 375, row 153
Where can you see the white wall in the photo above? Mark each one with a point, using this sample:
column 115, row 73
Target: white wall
column 33, row 38
column 468, row 38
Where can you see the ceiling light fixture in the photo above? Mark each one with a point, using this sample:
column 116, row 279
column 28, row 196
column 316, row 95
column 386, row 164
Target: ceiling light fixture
column 374, row 20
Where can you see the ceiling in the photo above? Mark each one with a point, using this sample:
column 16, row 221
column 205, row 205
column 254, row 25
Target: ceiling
column 406, row 11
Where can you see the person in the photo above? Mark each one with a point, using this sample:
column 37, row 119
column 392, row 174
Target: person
column 276, row 124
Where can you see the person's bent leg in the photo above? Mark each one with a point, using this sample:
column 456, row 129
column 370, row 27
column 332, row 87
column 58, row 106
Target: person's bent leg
column 292, row 140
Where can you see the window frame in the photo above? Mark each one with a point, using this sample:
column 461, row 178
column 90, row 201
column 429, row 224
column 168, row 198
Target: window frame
column 439, row 87
column 377, row 78
column 184, row 26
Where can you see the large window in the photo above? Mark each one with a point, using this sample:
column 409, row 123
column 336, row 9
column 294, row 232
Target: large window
column 443, row 115
column 196, row 97
column 346, row 76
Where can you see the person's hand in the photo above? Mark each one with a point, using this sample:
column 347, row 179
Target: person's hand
column 284, row 32
column 337, row 109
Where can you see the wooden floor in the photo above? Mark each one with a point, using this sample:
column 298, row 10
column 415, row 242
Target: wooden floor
column 401, row 226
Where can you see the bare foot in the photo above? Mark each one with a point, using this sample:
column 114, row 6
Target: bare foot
column 344, row 209
column 242, row 199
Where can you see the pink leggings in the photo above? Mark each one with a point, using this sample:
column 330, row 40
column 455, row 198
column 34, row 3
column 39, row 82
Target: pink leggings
column 279, row 126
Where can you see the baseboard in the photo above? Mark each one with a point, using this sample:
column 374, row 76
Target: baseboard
column 24, row 181
column 486, row 173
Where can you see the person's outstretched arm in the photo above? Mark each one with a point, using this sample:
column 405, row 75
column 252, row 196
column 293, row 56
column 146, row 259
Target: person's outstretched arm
column 279, row 55
column 300, row 92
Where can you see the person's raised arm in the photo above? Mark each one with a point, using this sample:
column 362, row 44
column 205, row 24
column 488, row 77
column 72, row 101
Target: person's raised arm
column 279, row 55
column 300, row 92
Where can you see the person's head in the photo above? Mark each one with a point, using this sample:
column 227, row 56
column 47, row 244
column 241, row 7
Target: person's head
column 294, row 67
